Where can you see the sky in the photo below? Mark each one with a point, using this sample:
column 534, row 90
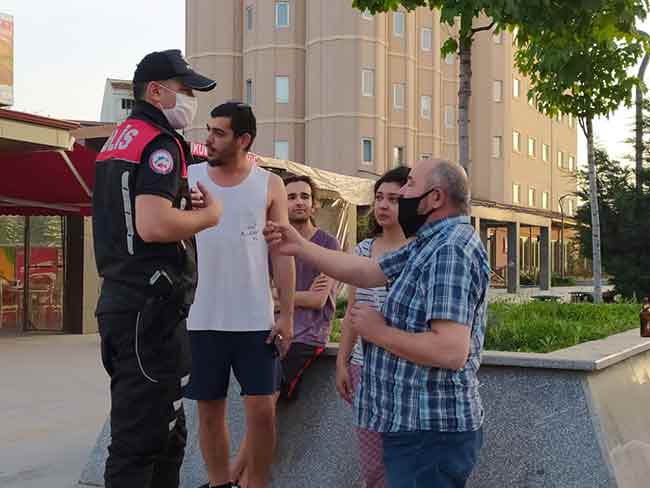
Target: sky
column 64, row 51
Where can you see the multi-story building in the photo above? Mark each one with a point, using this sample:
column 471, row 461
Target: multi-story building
column 118, row 100
column 354, row 93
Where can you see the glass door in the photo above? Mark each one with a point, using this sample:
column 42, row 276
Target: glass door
column 46, row 274
column 12, row 235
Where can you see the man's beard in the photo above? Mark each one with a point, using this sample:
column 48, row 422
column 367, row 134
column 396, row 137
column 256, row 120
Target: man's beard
column 298, row 220
column 215, row 162
column 227, row 155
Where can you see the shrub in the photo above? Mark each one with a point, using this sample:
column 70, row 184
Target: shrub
column 547, row 326
column 557, row 280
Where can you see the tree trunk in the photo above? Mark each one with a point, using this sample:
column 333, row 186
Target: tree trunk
column 638, row 145
column 595, row 213
column 464, row 94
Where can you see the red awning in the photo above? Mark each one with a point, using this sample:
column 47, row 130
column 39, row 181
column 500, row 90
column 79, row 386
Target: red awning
column 47, row 182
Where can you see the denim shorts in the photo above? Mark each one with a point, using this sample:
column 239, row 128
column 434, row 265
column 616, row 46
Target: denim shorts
column 430, row 459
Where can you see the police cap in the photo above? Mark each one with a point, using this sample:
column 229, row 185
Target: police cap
column 164, row 65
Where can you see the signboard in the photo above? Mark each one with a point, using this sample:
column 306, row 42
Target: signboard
column 199, row 150
column 6, row 59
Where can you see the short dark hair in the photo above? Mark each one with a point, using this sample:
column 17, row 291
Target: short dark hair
column 293, row 178
column 140, row 90
column 242, row 119
column 397, row 175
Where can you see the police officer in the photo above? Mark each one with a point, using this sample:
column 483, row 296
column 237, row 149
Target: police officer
column 143, row 228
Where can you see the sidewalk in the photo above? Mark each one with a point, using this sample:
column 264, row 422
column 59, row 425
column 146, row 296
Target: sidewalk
column 53, row 401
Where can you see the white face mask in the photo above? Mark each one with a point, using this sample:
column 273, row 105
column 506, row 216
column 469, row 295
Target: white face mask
column 182, row 114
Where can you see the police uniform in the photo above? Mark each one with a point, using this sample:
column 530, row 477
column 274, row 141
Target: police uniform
column 146, row 292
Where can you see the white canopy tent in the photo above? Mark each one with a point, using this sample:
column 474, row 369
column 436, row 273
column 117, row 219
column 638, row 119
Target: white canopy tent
column 346, row 192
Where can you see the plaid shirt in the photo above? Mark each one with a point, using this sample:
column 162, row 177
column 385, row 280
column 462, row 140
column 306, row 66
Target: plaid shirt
column 442, row 275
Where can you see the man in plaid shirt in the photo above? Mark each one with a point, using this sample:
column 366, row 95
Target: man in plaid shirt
column 422, row 352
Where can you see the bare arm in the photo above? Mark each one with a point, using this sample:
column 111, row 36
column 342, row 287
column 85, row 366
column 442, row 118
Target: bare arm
column 351, row 269
column 284, row 271
column 157, row 221
column 348, row 335
column 348, row 338
column 317, row 295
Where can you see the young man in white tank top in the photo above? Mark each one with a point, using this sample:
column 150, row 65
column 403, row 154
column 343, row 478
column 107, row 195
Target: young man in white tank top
column 231, row 323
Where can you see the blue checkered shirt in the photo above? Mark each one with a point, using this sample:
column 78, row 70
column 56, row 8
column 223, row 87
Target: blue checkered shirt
column 442, row 275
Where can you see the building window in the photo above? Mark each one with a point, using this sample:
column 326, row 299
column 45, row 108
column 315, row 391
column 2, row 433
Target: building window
column 367, row 150
column 425, row 107
column 366, row 14
column 516, row 141
column 282, row 14
column 281, row 150
column 450, row 58
column 426, row 156
column 558, row 117
column 425, row 38
column 531, row 197
column 571, row 210
column 516, row 87
column 571, row 121
column 497, row 147
column 532, row 147
column 560, row 159
column 399, row 23
column 572, row 163
column 368, row 82
column 516, row 193
column 282, row 89
column 249, row 92
column 450, row 117
column 546, row 152
column 545, row 200
column 398, row 156
column 497, row 37
column 127, row 103
column 398, row 95
column 497, row 90
column 249, row 18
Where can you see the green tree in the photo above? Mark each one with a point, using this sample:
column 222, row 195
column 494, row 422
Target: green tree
column 641, row 140
column 640, row 128
column 12, row 230
column 44, row 231
column 625, row 249
column 578, row 65
column 465, row 15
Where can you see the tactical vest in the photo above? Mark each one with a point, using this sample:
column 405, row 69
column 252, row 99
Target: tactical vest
column 121, row 255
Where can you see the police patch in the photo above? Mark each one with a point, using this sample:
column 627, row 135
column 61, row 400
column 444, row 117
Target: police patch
column 161, row 162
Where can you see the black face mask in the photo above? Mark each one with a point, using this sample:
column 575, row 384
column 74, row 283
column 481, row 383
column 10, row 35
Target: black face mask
column 408, row 217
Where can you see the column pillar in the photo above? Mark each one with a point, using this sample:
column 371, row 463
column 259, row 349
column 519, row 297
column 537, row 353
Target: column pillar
column 513, row 257
column 545, row 258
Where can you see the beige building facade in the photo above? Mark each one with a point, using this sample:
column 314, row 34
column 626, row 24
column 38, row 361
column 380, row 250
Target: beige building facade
column 357, row 94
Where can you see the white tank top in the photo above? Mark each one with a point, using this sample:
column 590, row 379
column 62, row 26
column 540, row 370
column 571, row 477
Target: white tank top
column 233, row 292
